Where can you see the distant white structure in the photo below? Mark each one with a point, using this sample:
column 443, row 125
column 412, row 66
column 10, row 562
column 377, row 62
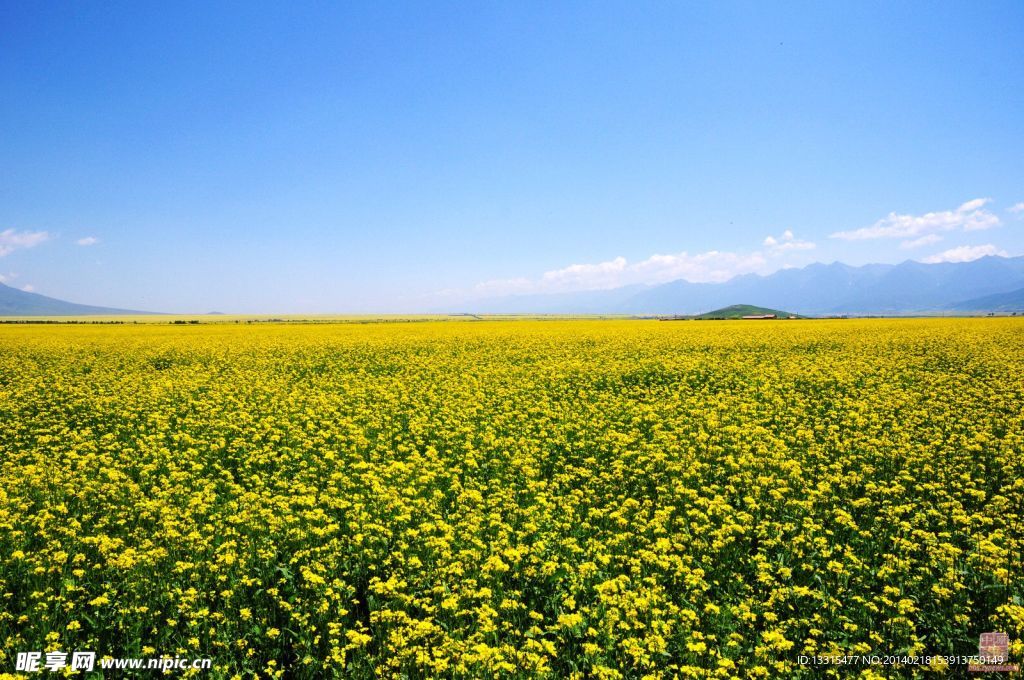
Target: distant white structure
column 758, row 316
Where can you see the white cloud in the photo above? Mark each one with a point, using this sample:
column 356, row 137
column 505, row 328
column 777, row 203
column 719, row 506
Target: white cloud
column 793, row 245
column 498, row 287
column 711, row 266
column 965, row 254
column 87, row 241
column 784, row 243
column 28, row 288
column 1016, row 208
column 925, row 240
column 974, row 204
column 11, row 240
column 580, row 276
column 970, row 216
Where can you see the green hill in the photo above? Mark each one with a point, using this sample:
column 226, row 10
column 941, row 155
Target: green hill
column 740, row 311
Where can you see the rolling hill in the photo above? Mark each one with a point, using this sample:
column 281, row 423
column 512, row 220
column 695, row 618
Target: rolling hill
column 740, row 311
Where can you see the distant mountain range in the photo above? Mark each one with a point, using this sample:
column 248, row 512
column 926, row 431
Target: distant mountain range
column 14, row 302
column 999, row 302
column 987, row 284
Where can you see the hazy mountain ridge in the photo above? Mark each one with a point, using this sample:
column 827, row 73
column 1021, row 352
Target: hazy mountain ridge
column 987, row 284
column 14, row 302
column 817, row 289
column 1012, row 301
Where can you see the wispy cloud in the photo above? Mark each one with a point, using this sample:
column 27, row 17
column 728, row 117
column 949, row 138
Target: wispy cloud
column 11, row 240
column 28, row 288
column 970, row 216
column 786, row 242
column 87, row 241
column 710, row 266
column 496, row 287
column 1016, row 208
column 925, row 240
column 579, row 276
column 965, row 254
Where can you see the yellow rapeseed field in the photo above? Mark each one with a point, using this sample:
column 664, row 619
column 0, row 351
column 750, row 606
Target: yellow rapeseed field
column 591, row 499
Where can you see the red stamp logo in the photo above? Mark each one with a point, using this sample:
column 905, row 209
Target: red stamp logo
column 993, row 654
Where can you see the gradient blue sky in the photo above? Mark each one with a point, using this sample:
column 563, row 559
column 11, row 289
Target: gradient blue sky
column 294, row 157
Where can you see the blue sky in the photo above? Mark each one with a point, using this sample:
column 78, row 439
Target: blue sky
column 335, row 157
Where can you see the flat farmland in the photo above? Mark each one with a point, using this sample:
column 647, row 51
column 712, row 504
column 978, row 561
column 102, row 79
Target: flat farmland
column 531, row 498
